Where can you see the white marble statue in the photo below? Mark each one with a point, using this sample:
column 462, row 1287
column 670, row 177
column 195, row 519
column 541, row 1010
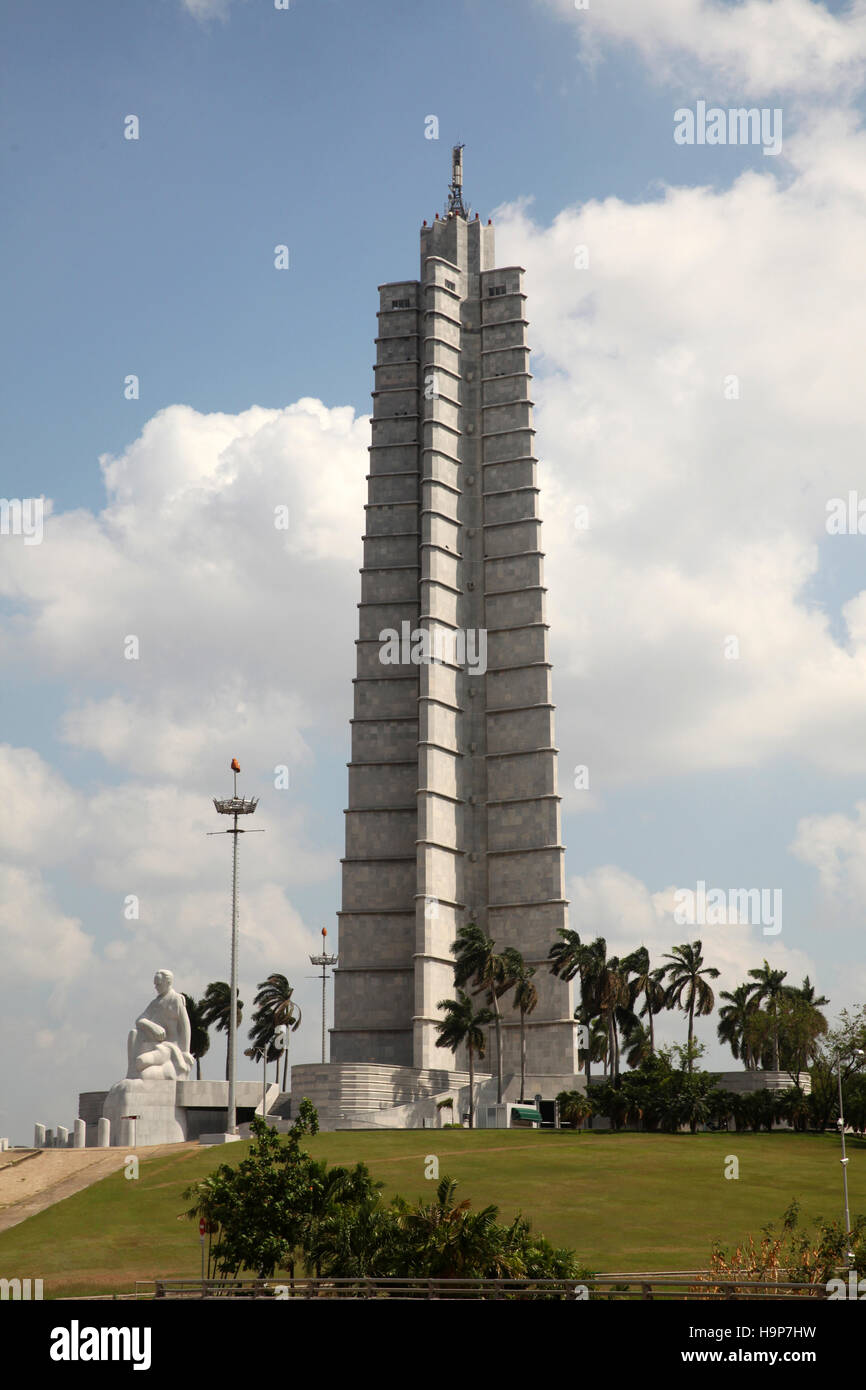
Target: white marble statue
column 158, row 1045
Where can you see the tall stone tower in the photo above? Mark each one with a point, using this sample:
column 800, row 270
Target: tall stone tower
column 453, row 809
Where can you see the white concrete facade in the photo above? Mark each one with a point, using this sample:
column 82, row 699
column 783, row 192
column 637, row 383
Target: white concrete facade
column 454, row 813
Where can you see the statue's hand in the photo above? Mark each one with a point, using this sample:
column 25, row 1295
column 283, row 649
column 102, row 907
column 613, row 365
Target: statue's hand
column 151, row 1029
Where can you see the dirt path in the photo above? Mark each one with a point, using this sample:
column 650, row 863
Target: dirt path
column 52, row 1174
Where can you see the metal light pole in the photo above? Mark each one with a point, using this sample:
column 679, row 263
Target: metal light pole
column 324, row 960
column 849, row 1253
column 292, row 1018
column 234, row 806
column 251, row 1053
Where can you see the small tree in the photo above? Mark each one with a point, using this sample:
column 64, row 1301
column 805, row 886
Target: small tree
column 260, row 1207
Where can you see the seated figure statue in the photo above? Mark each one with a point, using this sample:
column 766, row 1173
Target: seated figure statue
column 158, row 1045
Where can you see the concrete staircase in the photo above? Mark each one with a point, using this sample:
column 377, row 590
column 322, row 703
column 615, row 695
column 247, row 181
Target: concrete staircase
column 345, row 1092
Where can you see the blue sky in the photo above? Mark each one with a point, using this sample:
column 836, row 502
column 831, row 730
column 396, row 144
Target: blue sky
column 155, row 257
column 303, row 127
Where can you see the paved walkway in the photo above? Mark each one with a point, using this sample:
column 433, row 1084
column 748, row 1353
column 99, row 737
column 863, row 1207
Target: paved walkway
column 52, row 1174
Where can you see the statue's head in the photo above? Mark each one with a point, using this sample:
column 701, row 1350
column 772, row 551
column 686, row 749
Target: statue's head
column 163, row 980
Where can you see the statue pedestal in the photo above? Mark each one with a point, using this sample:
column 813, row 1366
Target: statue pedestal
column 159, row 1119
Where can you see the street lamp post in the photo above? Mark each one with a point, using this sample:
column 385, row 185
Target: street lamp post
column 234, row 806
column 849, row 1253
column 251, row 1053
column 324, row 959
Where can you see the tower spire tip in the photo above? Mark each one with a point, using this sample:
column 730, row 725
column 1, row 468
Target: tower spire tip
column 455, row 188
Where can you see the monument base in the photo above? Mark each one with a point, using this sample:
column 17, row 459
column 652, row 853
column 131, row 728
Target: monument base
column 370, row 1095
column 197, row 1107
column 158, row 1117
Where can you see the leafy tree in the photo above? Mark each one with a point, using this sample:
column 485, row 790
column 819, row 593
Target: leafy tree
column 479, row 963
column 841, row 1049
column 216, row 1008
column 279, row 1205
column 615, row 1102
column 463, row 1024
column 855, row 1102
column 199, row 1037
column 687, row 986
column 661, row 1095
column 261, row 1207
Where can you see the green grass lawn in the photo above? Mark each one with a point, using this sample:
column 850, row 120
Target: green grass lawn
column 622, row 1201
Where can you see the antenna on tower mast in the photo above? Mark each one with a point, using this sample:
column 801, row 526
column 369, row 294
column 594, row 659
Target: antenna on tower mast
column 455, row 188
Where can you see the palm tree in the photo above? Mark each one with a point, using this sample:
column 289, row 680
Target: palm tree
column 274, row 999
column 800, row 1025
column 464, row 1024
column 602, row 986
column 687, row 985
column 642, row 980
column 216, row 1007
column 637, row 1042
column 574, row 1107
column 526, row 1000
column 807, row 992
column 199, row 1037
column 614, row 1000
column 598, row 1043
column 768, row 987
column 566, row 955
column 337, row 1193
column 735, row 1018
column 478, row 961
column 351, row 1240
column 261, row 1035
column 446, row 1240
